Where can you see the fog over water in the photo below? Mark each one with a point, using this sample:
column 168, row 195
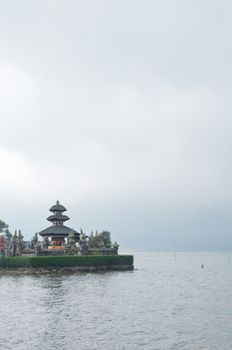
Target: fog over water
column 122, row 111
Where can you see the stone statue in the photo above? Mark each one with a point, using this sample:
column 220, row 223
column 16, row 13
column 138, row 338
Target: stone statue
column 46, row 242
column 84, row 244
column 71, row 244
column 115, row 247
column 20, row 243
column 34, row 241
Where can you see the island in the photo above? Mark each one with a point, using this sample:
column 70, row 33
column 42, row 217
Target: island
column 62, row 249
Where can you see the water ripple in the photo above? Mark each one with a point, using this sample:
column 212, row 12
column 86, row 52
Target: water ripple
column 169, row 303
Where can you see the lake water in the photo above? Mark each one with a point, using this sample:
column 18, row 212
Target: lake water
column 167, row 302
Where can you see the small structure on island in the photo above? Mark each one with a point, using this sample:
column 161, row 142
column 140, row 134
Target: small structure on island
column 56, row 236
column 62, row 249
column 58, row 239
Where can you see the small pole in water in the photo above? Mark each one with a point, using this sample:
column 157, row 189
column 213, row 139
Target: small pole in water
column 202, row 266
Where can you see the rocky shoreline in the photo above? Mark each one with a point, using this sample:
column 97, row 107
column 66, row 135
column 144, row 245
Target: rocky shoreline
column 64, row 270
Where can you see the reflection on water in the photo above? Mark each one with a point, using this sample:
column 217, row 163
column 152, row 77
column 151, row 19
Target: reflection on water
column 168, row 303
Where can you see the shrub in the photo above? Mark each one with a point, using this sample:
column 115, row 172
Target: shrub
column 65, row 261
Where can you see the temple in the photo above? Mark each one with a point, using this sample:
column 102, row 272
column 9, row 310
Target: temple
column 55, row 236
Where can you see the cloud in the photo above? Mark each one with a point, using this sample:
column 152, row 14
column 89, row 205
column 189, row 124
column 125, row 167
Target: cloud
column 116, row 102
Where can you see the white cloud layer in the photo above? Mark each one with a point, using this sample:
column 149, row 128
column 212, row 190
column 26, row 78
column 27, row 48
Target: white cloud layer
column 116, row 102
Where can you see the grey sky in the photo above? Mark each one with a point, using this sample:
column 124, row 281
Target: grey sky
column 122, row 111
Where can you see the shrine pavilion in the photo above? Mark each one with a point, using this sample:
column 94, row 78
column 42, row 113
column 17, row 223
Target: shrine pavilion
column 58, row 232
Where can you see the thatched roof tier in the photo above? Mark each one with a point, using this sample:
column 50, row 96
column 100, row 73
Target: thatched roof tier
column 58, row 231
column 57, row 208
column 58, row 217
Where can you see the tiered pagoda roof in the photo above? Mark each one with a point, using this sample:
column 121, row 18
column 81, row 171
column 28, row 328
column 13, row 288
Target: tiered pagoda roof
column 57, row 217
column 57, row 208
column 58, row 229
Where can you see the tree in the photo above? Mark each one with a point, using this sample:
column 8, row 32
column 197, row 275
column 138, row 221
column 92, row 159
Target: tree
column 106, row 238
column 100, row 240
column 2, row 243
column 14, row 243
column 8, row 234
column 4, row 228
column 7, row 237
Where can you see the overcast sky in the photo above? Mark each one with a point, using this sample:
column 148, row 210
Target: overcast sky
column 122, row 111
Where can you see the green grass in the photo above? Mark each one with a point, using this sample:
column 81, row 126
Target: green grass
column 65, row 261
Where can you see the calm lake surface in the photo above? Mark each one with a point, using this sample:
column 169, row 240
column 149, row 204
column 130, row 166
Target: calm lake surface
column 168, row 302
